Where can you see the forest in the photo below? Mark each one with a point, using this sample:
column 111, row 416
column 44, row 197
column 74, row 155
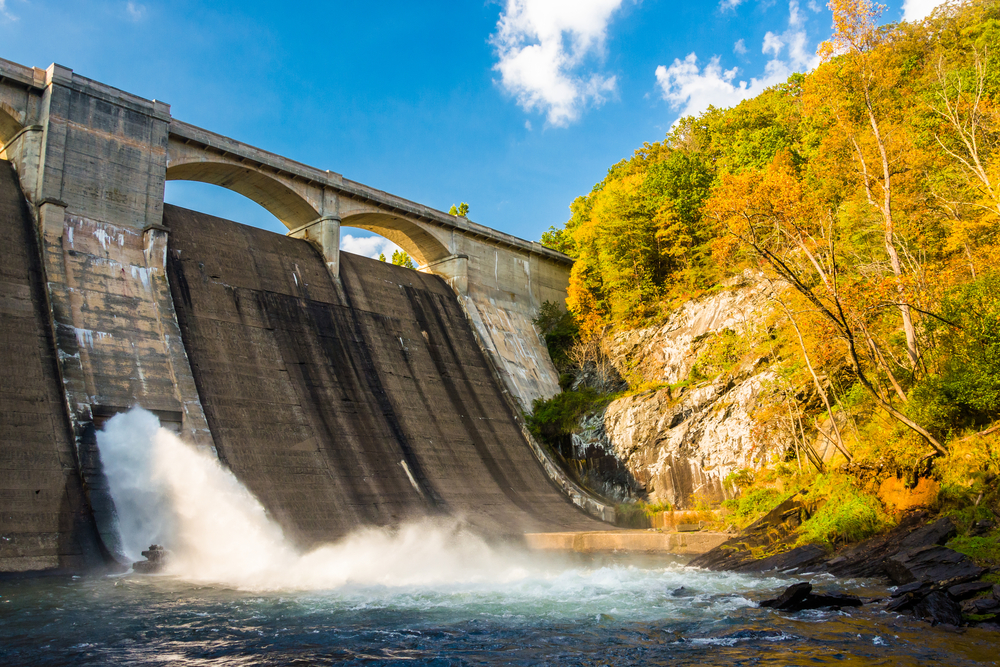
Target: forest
column 868, row 192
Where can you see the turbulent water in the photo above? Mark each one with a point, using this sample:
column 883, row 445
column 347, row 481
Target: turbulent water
column 237, row 593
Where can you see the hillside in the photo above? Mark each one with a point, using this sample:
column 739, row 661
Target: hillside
column 799, row 295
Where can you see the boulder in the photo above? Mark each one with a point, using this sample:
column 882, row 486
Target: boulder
column 791, row 598
column 932, row 563
column 981, row 606
column 798, row 597
column 770, row 529
column 982, row 527
column 156, row 557
column 969, row 589
column 932, row 534
column 939, row 609
column 795, row 560
column 867, row 559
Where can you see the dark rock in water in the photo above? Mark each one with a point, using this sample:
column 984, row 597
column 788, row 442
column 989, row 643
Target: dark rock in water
column 794, row 595
column 796, row 560
column 798, row 597
column 156, row 558
column 680, row 592
column 921, row 587
column 835, row 600
column 932, row 563
column 938, row 608
column 967, row 590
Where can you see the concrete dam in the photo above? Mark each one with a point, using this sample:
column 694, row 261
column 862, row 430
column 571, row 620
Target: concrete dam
column 341, row 391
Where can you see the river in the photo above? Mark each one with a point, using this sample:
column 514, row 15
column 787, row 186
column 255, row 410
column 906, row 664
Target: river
column 433, row 592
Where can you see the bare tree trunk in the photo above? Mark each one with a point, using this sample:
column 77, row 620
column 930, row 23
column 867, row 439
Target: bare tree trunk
column 839, row 442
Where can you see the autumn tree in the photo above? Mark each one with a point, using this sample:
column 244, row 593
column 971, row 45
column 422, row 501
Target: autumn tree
column 796, row 237
column 401, row 258
column 867, row 93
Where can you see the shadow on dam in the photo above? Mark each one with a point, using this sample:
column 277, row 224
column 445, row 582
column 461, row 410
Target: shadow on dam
column 341, row 406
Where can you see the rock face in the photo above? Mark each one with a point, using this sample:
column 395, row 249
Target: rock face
column 679, row 444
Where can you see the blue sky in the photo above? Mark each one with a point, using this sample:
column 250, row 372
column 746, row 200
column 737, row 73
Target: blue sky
column 514, row 106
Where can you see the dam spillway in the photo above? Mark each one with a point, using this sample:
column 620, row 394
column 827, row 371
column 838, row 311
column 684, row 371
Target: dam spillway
column 343, row 392
column 365, row 403
column 340, row 406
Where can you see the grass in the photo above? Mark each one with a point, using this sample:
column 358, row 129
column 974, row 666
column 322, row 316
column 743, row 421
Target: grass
column 753, row 504
column 985, row 551
column 848, row 515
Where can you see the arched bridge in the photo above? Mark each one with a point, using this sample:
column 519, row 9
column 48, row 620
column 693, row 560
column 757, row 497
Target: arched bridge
column 313, row 204
column 87, row 151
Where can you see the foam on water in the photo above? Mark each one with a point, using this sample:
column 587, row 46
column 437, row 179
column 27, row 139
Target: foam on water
column 170, row 493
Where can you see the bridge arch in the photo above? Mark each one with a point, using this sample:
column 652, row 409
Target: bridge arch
column 10, row 123
column 417, row 241
column 283, row 202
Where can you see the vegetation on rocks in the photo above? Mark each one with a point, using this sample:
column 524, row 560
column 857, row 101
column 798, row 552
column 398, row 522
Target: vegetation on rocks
column 867, row 193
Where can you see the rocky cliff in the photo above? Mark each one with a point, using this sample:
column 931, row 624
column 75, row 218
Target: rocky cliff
column 678, row 440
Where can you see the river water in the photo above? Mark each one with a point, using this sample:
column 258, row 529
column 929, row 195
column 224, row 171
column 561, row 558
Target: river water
column 430, row 593
column 618, row 611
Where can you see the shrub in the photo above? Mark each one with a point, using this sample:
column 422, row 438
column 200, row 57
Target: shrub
column 753, row 504
column 720, row 355
column 560, row 331
column 553, row 420
column 849, row 514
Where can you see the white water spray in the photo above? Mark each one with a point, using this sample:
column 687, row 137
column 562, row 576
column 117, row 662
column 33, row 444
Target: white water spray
column 170, row 493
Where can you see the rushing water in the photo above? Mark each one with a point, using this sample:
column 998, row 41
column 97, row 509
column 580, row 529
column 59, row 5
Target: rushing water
column 236, row 593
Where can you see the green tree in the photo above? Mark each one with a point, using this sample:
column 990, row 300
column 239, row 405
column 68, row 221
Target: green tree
column 381, row 257
column 401, row 258
column 462, row 210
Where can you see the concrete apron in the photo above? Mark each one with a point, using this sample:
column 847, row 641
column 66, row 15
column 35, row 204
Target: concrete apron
column 627, row 541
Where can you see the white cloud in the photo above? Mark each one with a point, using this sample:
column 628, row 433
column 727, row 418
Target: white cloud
column 543, row 44
column 730, row 4
column 814, row 6
column 4, row 13
column 368, row 246
column 692, row 89
column 916, row 10
column 772, row 44
column 740, row 47
column 135, row 11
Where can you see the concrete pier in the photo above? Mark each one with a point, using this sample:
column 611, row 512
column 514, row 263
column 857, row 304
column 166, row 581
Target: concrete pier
column 627, row 541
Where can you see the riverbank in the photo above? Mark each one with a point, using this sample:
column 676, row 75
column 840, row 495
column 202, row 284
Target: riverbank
column 932, row 581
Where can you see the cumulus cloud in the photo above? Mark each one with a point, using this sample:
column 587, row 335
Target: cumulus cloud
column 740, row 47
column 543, row 46
column 916, row 10
column 691, row 88
column 368, row 246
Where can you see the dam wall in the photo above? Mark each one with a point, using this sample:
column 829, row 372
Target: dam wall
column 45, row 522
column 339, row 406
column 303, row 392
